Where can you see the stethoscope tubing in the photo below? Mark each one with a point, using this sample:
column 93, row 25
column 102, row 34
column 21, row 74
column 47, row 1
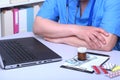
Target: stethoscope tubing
column 78, row 5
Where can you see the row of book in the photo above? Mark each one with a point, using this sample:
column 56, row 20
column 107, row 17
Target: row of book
column 18, row 20
column 4, row 2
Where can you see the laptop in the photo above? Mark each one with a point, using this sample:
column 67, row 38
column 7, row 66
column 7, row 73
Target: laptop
column 21, row 52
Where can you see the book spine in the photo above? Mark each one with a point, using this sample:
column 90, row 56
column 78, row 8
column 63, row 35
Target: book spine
column 36, row 9
column 7, row 22
column 30, row 18
column 16, row 20
column 23, row 20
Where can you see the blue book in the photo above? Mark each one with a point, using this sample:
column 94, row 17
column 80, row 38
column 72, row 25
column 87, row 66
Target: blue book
column 30, row 19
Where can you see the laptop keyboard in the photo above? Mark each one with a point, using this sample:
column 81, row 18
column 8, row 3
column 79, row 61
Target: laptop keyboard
column 17, row 53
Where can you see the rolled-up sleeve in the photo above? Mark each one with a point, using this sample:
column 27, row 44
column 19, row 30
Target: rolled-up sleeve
column 49, row 10
column 111, row 18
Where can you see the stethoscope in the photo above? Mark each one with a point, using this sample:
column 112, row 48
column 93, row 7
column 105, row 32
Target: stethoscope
column 78, row 5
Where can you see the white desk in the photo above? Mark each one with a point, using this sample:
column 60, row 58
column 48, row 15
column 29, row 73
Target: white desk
column 52, row 71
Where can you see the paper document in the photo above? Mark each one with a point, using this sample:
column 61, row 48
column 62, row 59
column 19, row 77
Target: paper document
column 86, row 66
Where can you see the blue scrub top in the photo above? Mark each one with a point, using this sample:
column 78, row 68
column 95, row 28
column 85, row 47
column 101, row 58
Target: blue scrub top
column 106, row 14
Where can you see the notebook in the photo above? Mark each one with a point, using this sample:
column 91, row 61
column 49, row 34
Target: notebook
column 21, row 52
column 96, row 59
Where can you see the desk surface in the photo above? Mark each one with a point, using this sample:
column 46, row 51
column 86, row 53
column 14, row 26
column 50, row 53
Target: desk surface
column 52, row 71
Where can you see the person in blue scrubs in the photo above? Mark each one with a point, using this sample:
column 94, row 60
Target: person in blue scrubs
column 94, row 24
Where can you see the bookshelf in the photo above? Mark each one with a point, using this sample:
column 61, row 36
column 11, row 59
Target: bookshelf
column 22, row 3
column 17, row 4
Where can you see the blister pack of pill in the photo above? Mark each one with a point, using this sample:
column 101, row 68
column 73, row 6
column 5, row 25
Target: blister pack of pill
column 113, row 74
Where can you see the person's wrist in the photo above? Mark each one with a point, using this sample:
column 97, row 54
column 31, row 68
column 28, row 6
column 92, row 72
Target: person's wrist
column 75, row 30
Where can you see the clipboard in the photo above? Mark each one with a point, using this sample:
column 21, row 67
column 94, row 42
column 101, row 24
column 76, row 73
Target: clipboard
column 86, row 66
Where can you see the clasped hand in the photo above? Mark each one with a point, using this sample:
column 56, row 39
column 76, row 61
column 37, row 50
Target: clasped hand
column 94, row 37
